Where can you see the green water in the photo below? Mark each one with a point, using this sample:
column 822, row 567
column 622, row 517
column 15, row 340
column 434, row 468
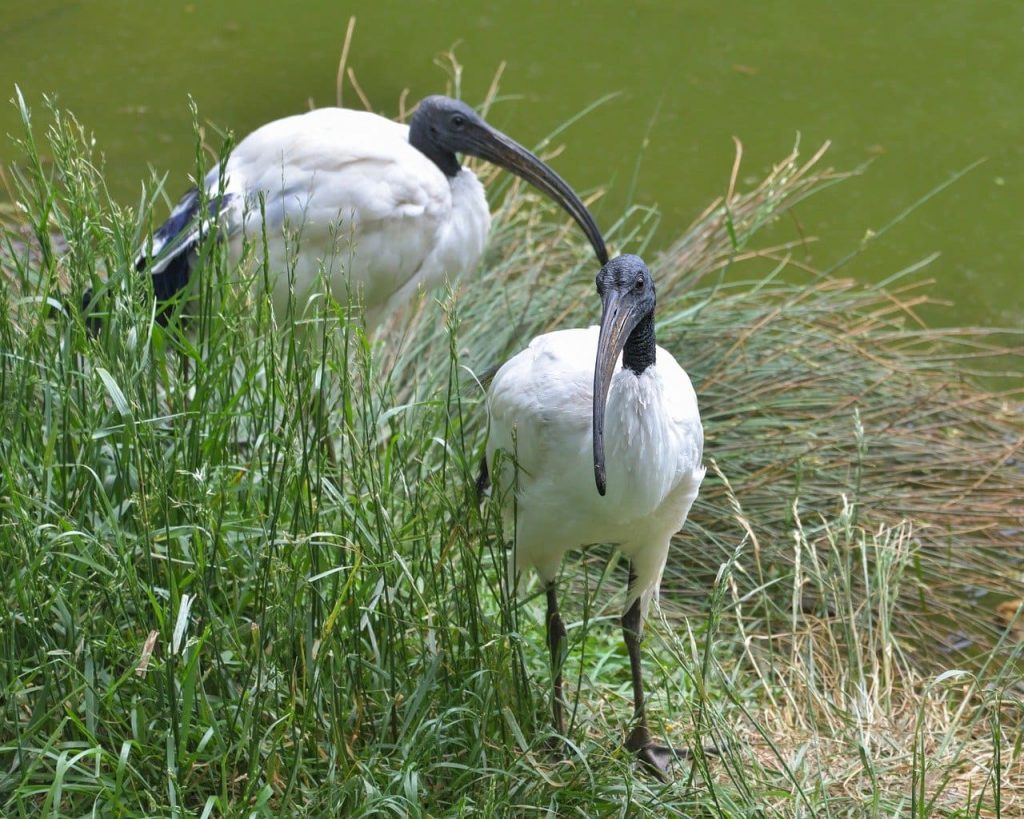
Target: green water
column 924, row 88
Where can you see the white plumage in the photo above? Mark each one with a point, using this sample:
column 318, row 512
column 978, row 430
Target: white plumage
column 346, row 197
column 373, row 208
column 551, row 408
column 541, row 409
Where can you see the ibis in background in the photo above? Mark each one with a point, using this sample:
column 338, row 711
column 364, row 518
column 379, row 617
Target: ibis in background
column 551, row 409
column 377, row 208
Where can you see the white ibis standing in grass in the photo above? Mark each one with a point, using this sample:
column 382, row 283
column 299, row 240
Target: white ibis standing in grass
column 550, row 410
column 376, row 208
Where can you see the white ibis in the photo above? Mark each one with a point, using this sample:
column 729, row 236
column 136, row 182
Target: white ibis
column 378, row 208
column 550, row 407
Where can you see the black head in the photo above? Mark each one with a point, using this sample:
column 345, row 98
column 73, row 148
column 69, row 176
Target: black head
column 626, row 288
column 443, row 127
column 629, row 281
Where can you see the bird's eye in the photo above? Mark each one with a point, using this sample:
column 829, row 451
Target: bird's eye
column 639, row 285
column 458, row 121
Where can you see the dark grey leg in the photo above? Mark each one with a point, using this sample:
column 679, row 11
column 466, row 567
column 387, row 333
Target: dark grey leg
column 631, row 626
column 656, row 758
column 325, row 442
column 332, row 456
column 556, row 634
column 185, row 373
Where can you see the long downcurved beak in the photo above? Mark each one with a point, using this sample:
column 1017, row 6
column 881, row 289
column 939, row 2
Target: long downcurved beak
column 495, row 147
column 618, row 318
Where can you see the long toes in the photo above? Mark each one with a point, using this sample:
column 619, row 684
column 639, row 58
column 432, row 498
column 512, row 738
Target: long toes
column 555, row 745
column 657, row 759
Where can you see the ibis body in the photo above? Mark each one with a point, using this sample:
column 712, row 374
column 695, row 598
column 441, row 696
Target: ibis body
column 541, row 416
column 372, row 208
column 551, row 408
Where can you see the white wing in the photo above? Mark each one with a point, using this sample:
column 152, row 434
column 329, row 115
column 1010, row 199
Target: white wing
column 540, row 402
column 342, row 191
column 337, row 194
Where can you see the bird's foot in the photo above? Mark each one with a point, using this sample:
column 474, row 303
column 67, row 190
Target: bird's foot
column 556, row 746
column 657, row 758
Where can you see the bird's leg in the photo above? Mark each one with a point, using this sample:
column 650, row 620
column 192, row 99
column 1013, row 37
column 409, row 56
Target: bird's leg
column 318, row 415
column 331, row 454
column 656, row 757
column 186, row 371
column 556, row 634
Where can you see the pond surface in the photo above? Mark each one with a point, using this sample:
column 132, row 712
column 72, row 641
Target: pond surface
column 924, row 89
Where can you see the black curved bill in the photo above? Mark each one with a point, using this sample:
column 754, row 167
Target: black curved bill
column 619, row 315
column 495, row 147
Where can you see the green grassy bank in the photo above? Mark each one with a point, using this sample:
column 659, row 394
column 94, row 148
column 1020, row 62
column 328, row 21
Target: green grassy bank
column 204, row 616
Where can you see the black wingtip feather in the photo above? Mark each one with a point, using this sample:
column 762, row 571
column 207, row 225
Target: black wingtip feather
column 92, row 323
column 483, row 480
column 172, row 279
column 170, row 275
